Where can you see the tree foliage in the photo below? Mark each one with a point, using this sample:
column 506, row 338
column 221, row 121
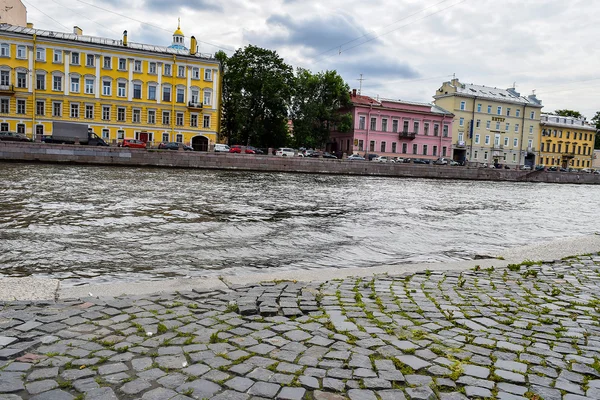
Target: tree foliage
column 257, row 90
column 568, row 113
column 316, row 106
column 596, row 121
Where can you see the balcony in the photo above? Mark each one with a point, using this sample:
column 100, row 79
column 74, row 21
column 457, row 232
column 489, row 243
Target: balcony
column 498, row 147
column 197, row 106
column 460, row 145
column 7, row 89
column 568, row 155
column 407, row 135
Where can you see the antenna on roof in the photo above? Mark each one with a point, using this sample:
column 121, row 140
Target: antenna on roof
column 533, row 92
column 361, row 81
column 514, row 85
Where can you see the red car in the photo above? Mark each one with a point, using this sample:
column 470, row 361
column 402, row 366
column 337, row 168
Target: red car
column 133, row 144
column 236, row 148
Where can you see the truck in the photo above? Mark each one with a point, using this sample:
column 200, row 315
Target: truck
column 70, row 133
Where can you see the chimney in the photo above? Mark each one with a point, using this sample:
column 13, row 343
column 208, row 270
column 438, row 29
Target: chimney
column 77, row 30
column 124, row 38
column 353, row 92
column 193, row 46
column 455, row 82
column 30, row 25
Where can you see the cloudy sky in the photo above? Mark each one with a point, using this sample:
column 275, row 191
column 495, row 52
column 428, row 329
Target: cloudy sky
column 405, row 49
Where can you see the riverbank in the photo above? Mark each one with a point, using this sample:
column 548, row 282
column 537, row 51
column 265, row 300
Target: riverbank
column 71, row 154
column 527, row 331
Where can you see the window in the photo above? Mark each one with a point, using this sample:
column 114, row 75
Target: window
column 436, row 130
column 152, row 68
column 165, row 137
column 74, row 110
column 21, row 129
column 426, row 128
column 384, row 123
column 461, row 122
column 424, row 149
column 532, row 115
column 516, row 127
column 181, row 71
column 121, row 89
column 89, row 111
column 444, row 151
column 195, row 73
column 21, row 80
column 477, row 138
column 497, row 126
column 57, row 83
column 405, row 126
column 105, row 134
column 489, row 109
column 507, row 127
column 435, row 150
column 136, row 116
column 57, row 109
column 478, row 108
column 57, row 56
column 179, row 119
column 179, row 138
column 404, row 148
column 416, row 128
column 194, row 120
column 446, row 129
column 4, row 106
column 123, row 64
column 106, row 113
column 531, row 130
column 5, row 50
column 75, row 58
column 21, row 52
column 487, row 139
column 89, row 86
column 372, row 145
column 137, row 66
column 107, row 62
column 40, row 107
column 166, row 93
column 508, row 111
column 518, row 112
column 488, row 124
column 530, row 144
column 463, row 105
column 40, row 54
column 166, row 117
column 121, row 135
column 542, row 147
column 4, row 78
column 151, row 92
column 395, row 126
column 516, row 142
column 415, row 149
column 180, row 95
column 21, row 106
column 207, row 74
column 394, row 147
column 478, row 123
column 361, row 122
column 75, row 84
column 151, row 116
column 39, row 130
column 207, row 98
column 506, row 141
column 373, row 125
column 499, row 111
column 167, row 71
column 106, row 88
column 4, row 127
column 90, row 60
column 206, row 122
column 485, row 155
column 137, row 91
column 383, row 145
column 121, row 114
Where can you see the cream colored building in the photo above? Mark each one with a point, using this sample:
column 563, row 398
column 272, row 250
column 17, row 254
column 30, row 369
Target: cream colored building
column 13, row 12
column 491, row 125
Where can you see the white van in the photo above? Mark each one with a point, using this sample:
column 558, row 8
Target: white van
column 221, row 148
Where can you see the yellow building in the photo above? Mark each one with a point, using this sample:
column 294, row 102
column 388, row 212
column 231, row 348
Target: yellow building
column 566, row 142
column 491, row 125
column 118, row 88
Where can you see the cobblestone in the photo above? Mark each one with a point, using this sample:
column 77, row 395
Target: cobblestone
column 531, row 330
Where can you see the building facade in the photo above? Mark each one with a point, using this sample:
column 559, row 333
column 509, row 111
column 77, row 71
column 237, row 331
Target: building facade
column 13, row 12
column 396, row 129
column 493, row 126
column 566, row 142
column 118, row 88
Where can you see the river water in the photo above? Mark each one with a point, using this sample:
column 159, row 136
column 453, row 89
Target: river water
column 106, row 224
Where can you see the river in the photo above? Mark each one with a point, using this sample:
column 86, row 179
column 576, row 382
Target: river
column 86, row 224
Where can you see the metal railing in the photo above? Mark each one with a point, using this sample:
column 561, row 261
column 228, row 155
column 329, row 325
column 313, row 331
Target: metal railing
column 407, row 135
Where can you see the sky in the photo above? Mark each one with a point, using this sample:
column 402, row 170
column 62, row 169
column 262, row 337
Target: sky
column 404, row 49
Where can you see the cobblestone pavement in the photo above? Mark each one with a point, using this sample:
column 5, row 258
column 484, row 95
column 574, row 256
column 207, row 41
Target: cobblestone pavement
column 529, row 331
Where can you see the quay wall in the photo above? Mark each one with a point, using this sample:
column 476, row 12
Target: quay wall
column 75, row 154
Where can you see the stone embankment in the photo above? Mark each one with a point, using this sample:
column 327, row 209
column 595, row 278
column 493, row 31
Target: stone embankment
column 38, row 152
column 522, row 331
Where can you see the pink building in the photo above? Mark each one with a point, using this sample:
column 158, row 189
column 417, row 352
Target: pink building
column 396, row 128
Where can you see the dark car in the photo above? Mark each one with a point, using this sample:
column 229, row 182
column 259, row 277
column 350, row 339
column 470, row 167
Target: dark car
column 173, row 146
column 421, row 161
column 253, row 150
column 539, row 167
column 552, row 169
column 564, row 170
column 371, row 157
column 329, row 155
column 407, row 160
column 13, row 137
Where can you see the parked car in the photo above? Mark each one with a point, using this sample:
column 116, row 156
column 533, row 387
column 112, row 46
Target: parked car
column 13, row 137
column 381, row 159
column 285, row 152
column 586, row 171
column 370, row 157
column 310, row 153
column 552, row 169
column 421, row 161
column 133, row 144
column 398, row 160
column 355, row 157
column 221, row 148
column 237, row 148
column 441, row 161
column 526, row 168
column 329, row 155
column 540, row 167
column 596, row 172
column 173, row 146
column 407, row 160
column 253, row 150
column 454, row 163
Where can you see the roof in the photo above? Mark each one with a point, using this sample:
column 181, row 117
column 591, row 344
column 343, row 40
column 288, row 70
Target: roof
column 101, row 41
column 492, row 93
column 566, row 122
column 366, row 100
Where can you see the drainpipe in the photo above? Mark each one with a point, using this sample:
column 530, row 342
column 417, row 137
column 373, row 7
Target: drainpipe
column 472, row 129
column 33, row 87
column 368, row 122
column 522, row 135
column 173, row 94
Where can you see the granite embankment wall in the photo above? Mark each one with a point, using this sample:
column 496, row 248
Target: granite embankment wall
column 74, row 154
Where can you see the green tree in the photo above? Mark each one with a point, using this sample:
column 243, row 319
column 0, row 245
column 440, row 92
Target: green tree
column 568, row 113
column 596, row 121
column 316, row 106
column 257, row 91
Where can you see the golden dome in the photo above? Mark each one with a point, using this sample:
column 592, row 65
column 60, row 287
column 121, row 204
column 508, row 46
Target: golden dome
column 178, row 32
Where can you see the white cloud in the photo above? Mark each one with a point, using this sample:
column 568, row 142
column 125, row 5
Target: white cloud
column 539, row 44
